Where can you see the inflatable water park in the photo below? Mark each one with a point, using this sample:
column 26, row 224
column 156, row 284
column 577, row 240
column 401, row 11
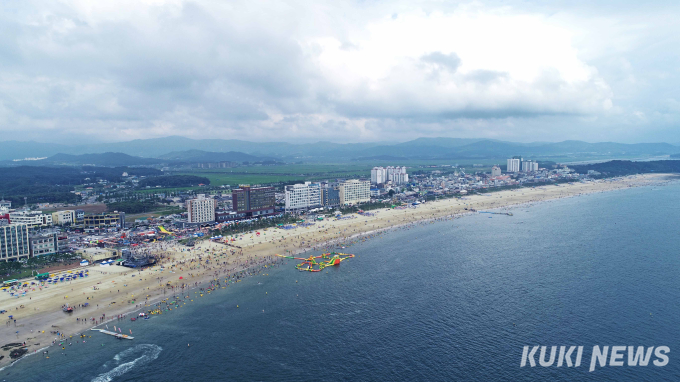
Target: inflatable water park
column 310, row 264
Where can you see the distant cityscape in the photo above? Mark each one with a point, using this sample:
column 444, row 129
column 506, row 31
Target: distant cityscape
column 27, row 232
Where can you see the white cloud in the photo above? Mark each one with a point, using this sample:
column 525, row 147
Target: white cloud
column 114, row 70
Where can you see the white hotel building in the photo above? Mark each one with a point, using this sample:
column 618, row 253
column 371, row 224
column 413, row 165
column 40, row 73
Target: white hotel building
column 201, row 209
column 355, row 191
column 303, row 196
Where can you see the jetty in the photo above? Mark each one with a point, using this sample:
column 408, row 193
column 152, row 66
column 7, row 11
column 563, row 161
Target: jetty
column 496, row 213
column 117, row 335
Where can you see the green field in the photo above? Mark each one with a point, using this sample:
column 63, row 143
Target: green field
column 285, row 173
column 299, row 172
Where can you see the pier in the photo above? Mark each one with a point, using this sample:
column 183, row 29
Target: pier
column 496, row 213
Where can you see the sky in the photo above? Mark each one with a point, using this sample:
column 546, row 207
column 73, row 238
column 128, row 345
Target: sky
column 79, row 71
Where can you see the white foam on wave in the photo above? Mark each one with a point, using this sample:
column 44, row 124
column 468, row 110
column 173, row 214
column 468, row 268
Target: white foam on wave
column 149, row 352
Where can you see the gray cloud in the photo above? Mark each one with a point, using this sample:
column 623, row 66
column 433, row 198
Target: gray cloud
column 449, row 61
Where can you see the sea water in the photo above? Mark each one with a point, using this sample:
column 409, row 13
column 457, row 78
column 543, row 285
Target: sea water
column 455, row 300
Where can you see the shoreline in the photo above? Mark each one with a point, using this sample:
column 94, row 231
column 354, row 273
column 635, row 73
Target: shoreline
column 257, row 253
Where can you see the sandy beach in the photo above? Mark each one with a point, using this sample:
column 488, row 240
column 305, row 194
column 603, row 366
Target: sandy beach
column 113, row 291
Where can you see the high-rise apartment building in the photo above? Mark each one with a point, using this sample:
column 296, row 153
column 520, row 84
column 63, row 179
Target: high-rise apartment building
column 397, row 175
column 201, row 209
column 529, row 166
column 495, row 171
column 513, row 165
column 382, row 175
column 378, row 175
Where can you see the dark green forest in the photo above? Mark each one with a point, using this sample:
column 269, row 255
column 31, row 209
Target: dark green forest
column 54, row 184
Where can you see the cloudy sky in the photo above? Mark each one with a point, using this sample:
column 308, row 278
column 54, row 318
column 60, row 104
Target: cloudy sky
column 354, row 71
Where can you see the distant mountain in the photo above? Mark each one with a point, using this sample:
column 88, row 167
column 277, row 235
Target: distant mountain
column 157, row 147
column 217, row 150
column 205, row 156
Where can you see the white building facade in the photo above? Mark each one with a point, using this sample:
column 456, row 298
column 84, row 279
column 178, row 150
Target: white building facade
column 355, row 191
column 397, row 175
column 379, row 175
column 201, row 209
column 513, row 165
column 31, row 219
column 529, row 166
column 303, row 196
column 495, row 171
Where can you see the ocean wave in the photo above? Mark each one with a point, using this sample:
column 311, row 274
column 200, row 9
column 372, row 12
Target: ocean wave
column 144, row 353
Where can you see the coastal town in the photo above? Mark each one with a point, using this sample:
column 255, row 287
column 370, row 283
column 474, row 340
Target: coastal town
column 339, row 191
column 45, row 229
column 70, row 260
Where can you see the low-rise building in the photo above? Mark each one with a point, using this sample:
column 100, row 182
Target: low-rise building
column 98, row 254
column 66, row 217
column 43, row 244
column 105, row 220
column 14, row 242
column 80, row 216
column 32, row 219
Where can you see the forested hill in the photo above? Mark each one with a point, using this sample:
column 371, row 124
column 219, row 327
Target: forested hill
column 624, row 167
column 54, row 184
